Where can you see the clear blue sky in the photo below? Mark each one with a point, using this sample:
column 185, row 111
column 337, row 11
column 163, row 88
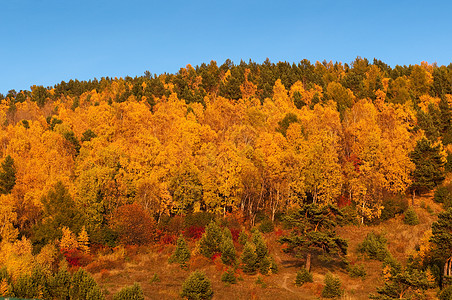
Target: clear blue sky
column 47, row 41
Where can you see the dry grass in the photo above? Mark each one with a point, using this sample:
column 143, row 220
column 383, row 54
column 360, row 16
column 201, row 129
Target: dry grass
column 125, row 266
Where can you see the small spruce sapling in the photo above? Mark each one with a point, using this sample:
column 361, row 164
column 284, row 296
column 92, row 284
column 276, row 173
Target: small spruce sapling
column 332, row 286
column 181, row 254
column 303, row 276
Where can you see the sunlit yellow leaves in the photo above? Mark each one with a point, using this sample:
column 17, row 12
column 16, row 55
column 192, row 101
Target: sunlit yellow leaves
column 7, row 218
column 17, row 257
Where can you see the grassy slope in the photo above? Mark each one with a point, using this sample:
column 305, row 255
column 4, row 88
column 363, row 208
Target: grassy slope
column 140, row 265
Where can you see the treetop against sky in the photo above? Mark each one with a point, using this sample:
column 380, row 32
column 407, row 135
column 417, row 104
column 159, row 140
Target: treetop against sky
column 59, row 40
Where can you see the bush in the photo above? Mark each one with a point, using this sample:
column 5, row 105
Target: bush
column 133, row 292
column 211, row 240
column 357, row 271
column 261, row 281
column 229, row 277
column 266, row 226
column 228, row 256
column 273, row 266
column 194, row 232
column 181, row 254
column 249, row 259
column 441, row 193
column 332, row 286
column 303, row 276
column 134, row 225
column 374, row 246
column 411, row 217
column 197, row 286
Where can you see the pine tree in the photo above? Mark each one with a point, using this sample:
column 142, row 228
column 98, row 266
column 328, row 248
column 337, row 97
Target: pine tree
column 429, row 162
column 181, row 254
column 261, row 247
column 229, row 276
column 227, row 233
column 197, row 286
column 243, row 238
column 411, row 217
column 61, row 283
column 23, row 287
column 441, row 235
column 332, row 286
column 211, row 240
column 249, row 259
column 228, row 255
column 81, row 284
column 313, row 231
column 7, row 175
column 95, row 294
column 59, row 210
column 303, row 276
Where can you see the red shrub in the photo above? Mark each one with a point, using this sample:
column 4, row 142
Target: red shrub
column 167, row 239
column 73, row 256
column 194, row 232
column 215, row 256
column 343, row 201
column 134, row 225
column 235, row 234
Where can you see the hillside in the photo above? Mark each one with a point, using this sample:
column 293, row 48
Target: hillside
column 107, row 174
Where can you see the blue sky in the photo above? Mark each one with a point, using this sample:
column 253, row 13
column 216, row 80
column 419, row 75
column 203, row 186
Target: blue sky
column 47, row 41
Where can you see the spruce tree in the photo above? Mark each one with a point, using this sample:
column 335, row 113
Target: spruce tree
column 261, row 247
column 243, row 238
column 332, row 286
column 7, row 175
column 228, row 255
column 303, row 276
column 181, row 254
column 249, row 259
column 442, row 235
column 60, row 284
column 429, row 166
column 81, row 284
column 211, row 240
column 411, row 217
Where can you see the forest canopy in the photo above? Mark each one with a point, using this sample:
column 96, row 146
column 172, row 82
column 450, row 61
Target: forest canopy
column 242, row 139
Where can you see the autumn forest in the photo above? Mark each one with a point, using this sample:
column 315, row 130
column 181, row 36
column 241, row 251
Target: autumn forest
column 272, row 159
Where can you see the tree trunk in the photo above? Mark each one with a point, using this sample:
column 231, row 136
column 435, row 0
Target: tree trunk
column 362, row 214
column 412, row 199
column 448, row 267
column 308, row 262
